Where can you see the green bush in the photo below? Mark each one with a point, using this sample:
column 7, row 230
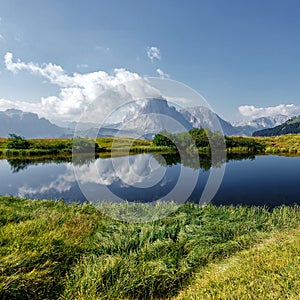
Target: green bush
column 82, row 145
column 17, row 142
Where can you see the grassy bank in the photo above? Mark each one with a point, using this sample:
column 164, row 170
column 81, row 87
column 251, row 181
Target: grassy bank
column 287, row 144
column 49, row 250
column 64, row 147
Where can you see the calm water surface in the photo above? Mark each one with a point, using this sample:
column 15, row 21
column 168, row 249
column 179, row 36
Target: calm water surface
column 262, row 180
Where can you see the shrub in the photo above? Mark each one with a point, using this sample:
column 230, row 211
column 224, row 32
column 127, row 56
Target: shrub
column 17, row 142
column 81, row 145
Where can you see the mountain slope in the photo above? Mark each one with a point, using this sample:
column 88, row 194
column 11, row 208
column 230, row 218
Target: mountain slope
column 200, row 116
column 290, row 126
column 247, row 127
column 143, row 118
column 28, row 125
column 151, row 116
column 263, row 122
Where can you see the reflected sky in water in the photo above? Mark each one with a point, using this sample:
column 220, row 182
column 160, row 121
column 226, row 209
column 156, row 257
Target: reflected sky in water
column 263, row 180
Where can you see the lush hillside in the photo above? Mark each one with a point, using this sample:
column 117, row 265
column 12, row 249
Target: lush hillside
column 49, row 250
column 290, row 126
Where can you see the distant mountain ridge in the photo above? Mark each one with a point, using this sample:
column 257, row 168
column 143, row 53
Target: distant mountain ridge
column 28, row 124
column 144, row 119
column 247, row 127
column 290, row 126
column 263, row 122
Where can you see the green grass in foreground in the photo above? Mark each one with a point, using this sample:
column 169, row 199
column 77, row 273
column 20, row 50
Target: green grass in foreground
column 267, row 271
column 49, row 250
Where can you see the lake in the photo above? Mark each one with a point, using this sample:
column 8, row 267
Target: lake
column 261, row 180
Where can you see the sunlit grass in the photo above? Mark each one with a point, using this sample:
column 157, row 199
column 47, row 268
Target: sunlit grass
column 51, row 250
column 269, row 270
column 122, row 143
column 63, row 146
column 286, row 144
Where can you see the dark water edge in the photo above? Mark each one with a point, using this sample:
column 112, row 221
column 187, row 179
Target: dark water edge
column 268, row 181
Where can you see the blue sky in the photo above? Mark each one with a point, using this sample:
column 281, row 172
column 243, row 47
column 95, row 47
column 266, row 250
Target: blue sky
column 235, row 53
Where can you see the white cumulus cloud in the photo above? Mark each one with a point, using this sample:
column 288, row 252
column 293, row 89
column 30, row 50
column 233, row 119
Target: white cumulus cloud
column 79, row 91
column 153, row 53
column 254, row 112
column 50, row 71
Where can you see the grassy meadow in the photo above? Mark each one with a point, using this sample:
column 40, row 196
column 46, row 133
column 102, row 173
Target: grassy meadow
column 285, row 144
column 268, row 270
column 288, row 144
column 51, row 250
column 64, row 146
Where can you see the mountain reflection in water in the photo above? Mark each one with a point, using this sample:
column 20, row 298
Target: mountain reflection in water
column 248, row 180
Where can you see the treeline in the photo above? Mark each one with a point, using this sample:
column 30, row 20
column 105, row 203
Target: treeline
column 204, row 139
column 194, row 138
